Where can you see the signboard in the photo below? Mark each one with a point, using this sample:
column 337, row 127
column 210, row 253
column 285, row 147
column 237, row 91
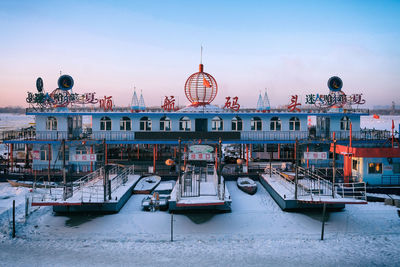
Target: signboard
column 315, row 155
column 387, row 167
column 84, row 157
column 201, row 156
column 201, row 149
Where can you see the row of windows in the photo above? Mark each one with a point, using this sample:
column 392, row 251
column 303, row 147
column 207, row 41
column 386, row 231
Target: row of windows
column 217, row 124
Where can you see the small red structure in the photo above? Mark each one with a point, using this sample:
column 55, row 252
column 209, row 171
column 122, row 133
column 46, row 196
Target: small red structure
column 201, row 88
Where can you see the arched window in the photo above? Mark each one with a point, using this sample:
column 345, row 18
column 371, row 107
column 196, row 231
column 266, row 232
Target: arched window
column 276, row 124
column 256, row 124
column 237, row 124
column 45, row 152
column 125, row 124
column 51, row 124
column 294, row 124
column 345, row 123
column 105, row 124
column 145, row 124
column 185, row 124
column 217, row 124
column 165, row 124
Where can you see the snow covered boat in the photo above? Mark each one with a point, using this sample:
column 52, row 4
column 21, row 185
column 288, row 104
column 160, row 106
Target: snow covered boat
column 147, row 184
column 29, row 184
column 247, row 185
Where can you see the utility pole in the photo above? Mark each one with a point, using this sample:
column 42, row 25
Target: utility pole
column 334, row 165
column 63, row 170
column 296, row 169
column 105, row 183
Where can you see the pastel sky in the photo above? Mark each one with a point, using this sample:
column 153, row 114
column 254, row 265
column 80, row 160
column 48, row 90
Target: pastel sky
column 289, row 47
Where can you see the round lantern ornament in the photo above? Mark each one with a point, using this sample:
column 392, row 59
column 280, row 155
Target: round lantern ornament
column 201, row 88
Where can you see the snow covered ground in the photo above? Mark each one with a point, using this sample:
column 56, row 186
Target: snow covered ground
column 255, row 233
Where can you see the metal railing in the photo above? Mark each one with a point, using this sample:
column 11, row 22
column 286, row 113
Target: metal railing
column 316, row 187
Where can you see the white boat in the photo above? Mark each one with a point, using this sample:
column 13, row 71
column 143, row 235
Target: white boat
column 247, row 185
column 146, row 184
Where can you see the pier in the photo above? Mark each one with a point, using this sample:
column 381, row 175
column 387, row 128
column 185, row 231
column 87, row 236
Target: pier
column 103, row 191
column 309, row 190
column 200, row 188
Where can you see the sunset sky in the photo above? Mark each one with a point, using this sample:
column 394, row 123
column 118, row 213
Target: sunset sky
column 288, row 47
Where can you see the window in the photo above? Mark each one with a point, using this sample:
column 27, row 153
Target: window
column 145, row 124
column 374, row 168
column 276, row 124
column 217, row 124
column 105, row 124
column 237, row 124
column 45, row 152
column 51, row 124
column 256, row 124
column 81, row 150
column 184, row 124
column 294, row 124
column 354, row 164
column 165, row 124
column 125, row 124
column 345, row 124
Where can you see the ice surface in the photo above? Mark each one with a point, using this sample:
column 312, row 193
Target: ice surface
column 256, row 233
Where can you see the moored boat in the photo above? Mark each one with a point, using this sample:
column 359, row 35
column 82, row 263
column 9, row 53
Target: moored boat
column 155, row 202
column 247, row 185
column 147, row 184
column 16, row 183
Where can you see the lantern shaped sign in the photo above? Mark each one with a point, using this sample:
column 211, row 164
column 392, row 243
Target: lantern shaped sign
column 201, row 88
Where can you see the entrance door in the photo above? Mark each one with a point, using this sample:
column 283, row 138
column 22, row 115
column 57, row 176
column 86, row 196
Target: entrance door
column 70, row 127
column 323, row 127
column 201, row 125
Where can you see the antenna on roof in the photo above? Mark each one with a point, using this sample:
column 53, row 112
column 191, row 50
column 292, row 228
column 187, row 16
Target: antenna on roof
column 201, row 54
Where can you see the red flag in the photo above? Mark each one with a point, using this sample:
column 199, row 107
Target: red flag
column 376, row 116
column 206, row 83
column 392, row 124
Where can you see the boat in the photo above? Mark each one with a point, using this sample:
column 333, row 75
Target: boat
column 146, row 184
column 247, row 185
column 29, row 184
column 155, row 202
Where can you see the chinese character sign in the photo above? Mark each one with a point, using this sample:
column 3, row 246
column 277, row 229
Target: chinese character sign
column 106, row 103
column 85, row 157
column 293, row 105
column 315, row 155
column 234, row 105
column 201, row 156
column 169, row 104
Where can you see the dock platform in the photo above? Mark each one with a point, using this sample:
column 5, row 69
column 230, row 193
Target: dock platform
column 199, row 189
column 90, row 194
column 312, row 191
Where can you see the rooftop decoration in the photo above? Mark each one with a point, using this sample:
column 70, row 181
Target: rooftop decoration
column 135, row 101
column 142, row 106
column 201, row 88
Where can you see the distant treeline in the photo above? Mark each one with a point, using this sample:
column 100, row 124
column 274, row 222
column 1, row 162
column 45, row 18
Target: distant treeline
column 18, row 109
column 384, row 111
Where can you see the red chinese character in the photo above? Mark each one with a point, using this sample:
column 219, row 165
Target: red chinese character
column 234, row 105
column 84, row 157
column 193, row 156
column 169, row 103
column 200, row 156
column 106, row 103
column 208, row 156
column 293, row 105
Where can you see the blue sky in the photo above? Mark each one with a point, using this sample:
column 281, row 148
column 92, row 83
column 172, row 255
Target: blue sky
column 289, row 47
